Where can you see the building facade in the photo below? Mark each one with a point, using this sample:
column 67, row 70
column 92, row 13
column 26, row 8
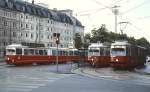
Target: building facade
column 28, row 23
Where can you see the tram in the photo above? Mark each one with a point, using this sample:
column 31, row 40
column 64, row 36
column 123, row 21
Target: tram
column 125, row 55
column 17, row 54
column 99, row 55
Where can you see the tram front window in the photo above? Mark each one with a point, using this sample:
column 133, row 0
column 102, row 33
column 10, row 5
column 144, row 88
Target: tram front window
column 93, row 52
column 118, row 52
column 10, row 52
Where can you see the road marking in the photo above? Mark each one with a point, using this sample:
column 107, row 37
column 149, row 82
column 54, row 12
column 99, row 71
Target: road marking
column 29, row 84
column 18, row 89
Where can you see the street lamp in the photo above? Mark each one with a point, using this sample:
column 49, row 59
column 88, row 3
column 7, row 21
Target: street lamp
column 57, row 41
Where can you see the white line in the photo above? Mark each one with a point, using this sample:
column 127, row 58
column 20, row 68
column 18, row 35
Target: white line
column 22, row 86
column 17, row 89
column 30, row 84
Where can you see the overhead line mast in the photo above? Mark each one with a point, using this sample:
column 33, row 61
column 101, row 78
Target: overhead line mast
column 115, row 11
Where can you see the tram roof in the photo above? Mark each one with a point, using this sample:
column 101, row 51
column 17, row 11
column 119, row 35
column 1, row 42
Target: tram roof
column 121, row 43
column 97, row 45
column 16, row 45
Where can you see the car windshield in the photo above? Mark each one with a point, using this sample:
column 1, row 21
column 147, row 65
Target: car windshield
column 118, row 52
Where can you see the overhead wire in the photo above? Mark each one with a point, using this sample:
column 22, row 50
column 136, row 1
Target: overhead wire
column 131, row 9
column 145, row 17
column 94, row 11
column 117, row 2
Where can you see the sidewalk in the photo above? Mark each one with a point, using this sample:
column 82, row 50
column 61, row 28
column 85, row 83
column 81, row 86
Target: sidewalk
column 2, row 59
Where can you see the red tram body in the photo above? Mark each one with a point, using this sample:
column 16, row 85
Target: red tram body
column 125, row 55
column 99, row 55
column 18, row 55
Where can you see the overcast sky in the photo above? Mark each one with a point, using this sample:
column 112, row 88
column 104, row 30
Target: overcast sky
column 93, row 13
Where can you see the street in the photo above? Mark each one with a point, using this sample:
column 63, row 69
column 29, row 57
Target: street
column 44, row 78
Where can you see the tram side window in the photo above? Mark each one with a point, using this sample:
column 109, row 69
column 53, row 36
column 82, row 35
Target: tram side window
column 134, row 51
column 18, row 51
column 31, row 51
column 65, row 53
column 101, row 51
column 45, row 52
column 71, row 53
column 128, row 51
column 37, row 52
column 76, row 53
column 53, row 52
column 41, row 52
column 59, row 52
column 107, row 51
column 25, row 51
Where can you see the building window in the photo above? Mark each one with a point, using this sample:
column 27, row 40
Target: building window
column 42, row 36
column 36, row 27
column 27, row 26
column 51, row 29
column 26, row 17
column 14, row 24
column 32, row 27
column 14, row 34
column 31, row 35
column 21, row 34
column 48, row 28
column 26, row 35
column 48, row 37
column 5, row 23
column 21, row 16
column 51, row 22
column 21, row 25
column 5, row 33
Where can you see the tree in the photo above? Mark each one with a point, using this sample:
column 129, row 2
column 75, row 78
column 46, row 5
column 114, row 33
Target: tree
column 103, row 35
column 78, row 41
column 100, row 34
column 87, row 40
column 143, row 42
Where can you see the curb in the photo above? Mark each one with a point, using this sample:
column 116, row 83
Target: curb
column 82, row 73
column 142, row 72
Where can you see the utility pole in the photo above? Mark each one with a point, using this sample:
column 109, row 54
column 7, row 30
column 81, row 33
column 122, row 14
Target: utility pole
column 115, row 11
column 57, row 40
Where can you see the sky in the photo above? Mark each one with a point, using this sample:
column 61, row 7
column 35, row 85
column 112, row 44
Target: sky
column 93, row 13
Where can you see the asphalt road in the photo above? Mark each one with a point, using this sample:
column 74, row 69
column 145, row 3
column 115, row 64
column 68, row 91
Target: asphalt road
column 78, row 83
column 45, row 79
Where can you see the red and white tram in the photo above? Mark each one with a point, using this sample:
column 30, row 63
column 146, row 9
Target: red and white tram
column 99, row 55
column 17, row 54
column 125, row 55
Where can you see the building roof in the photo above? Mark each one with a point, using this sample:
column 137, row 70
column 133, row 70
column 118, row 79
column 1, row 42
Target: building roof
column 37, row 10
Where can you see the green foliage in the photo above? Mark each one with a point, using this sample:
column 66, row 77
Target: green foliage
column 78, row 41
column 87, row 39
column 102, row 35
column 142, row 42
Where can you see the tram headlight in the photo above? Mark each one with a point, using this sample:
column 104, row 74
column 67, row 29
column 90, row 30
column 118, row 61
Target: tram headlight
column 13, row 60
column 8, row 58
column 117, row 60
